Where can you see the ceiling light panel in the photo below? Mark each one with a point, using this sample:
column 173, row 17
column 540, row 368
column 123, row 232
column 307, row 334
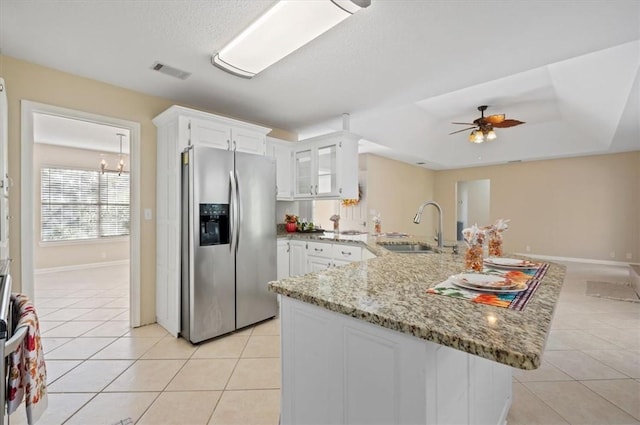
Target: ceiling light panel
column 284, row 28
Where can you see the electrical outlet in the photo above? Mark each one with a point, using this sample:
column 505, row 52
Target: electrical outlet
column 612, row 254
column 528, row 248
column 629, row 256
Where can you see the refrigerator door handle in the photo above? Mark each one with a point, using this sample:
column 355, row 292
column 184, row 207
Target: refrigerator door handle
column 234, row 211
column 238, row 210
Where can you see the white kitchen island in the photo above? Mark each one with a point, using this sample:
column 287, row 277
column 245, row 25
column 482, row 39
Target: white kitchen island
column 365, row 344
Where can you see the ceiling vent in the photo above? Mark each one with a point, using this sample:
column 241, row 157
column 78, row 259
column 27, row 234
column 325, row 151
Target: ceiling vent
column 171, row 71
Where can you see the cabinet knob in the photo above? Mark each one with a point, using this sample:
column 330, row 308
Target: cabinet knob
column 345, row 253
column 318, row 249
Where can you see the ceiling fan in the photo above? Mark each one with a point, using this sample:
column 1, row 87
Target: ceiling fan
column 483, row 127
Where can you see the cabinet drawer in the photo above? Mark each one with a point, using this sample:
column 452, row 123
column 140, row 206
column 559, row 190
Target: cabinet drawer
column 347, row 253
column 318, row 249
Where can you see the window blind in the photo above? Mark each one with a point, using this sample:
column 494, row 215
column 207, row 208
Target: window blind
column 83, row 204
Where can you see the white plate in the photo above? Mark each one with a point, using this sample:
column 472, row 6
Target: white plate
column 519, row 288
column 512, row 263
column 483, row 281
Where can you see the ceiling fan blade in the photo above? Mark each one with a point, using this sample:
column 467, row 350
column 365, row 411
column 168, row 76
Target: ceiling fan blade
column 508, row 123
column 494, row 119
column 464, row 129
column 463, row 123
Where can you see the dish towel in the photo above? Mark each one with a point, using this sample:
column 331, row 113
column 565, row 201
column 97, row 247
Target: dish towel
column 27, row 370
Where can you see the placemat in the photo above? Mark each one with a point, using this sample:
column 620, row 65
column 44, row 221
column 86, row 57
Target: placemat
column 517, row 301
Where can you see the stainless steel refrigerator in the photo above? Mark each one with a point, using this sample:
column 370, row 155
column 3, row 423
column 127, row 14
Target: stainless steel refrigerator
column 228, row 241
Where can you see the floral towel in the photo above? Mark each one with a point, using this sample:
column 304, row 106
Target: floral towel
column 27, row 370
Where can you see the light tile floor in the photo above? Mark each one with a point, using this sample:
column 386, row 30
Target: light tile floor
column 100, row 371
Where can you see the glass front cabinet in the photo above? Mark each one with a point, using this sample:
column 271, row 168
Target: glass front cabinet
column 327, row 167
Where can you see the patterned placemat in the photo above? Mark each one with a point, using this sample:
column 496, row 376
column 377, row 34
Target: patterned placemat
column 517, row 301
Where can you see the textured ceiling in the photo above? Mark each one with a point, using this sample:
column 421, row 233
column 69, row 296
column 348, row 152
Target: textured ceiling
column 403, row 70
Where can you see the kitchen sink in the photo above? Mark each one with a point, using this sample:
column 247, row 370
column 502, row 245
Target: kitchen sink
column 352, row 232
column 409, row 248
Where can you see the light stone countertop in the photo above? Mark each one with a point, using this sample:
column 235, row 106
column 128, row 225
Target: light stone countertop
column 390, row 291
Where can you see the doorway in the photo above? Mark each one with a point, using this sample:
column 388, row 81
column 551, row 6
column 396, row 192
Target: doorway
column 472, row 204
column 30, row 113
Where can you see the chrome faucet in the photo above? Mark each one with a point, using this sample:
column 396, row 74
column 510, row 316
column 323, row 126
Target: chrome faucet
column 418, row 217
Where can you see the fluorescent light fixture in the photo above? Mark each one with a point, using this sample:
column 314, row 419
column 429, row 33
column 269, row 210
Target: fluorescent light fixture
column 287, row 26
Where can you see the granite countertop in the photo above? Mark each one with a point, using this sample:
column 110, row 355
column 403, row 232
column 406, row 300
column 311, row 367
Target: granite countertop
column 365, row 240
column 390, row 291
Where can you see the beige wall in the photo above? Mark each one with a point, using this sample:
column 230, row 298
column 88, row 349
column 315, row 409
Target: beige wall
column 396, row 190
column 59, row 254
column 45, row 85
column 584, row 207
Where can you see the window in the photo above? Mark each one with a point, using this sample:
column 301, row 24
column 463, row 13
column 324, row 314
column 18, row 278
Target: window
column 83, row 204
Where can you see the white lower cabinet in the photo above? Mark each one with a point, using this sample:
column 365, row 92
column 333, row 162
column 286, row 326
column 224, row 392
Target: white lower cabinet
column 283, row 248
column 340, row 370
column 323, row 255
column 317, row 264
column 297, row 258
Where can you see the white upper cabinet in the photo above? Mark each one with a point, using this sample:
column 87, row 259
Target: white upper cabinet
column 326, row 167
column 282, row 152
column 210, row 133
column 204, row 129
column 303, row 165
column 245, row 140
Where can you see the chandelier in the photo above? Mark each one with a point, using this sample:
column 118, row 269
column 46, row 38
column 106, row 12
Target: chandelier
column 120, row 167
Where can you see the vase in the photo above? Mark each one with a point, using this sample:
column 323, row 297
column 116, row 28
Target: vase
column 473, row 258
column 290, row 227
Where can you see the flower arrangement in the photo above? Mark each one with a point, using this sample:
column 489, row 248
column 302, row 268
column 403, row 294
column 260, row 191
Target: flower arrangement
column 290, row 222
column 290, row 218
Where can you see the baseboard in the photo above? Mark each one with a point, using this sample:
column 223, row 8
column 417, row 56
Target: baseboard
column 576, row 260
column 81, row 267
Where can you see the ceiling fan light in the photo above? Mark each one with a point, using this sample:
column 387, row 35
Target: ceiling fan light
column 491, row 135
column 476, row 136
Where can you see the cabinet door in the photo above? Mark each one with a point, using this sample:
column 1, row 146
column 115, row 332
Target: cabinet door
column 297, row 258
column 283, row 259
column 347, row 169
column 303, row 173
column 4, row 176
column 283, row 156
column 326, row 170
column 248, row 141
column 211, row 134
column 317, row 264
column 340, row 263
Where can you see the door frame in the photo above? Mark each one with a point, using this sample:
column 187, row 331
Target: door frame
column 27, row 217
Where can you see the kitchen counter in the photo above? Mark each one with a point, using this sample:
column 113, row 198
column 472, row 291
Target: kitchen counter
column 390, row 291
column 365, row 343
